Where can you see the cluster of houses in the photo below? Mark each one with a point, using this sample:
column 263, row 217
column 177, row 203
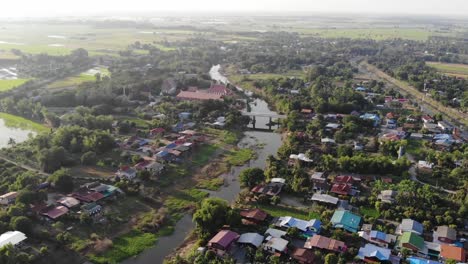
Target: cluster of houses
column 276, row 239
column 84, row 200
column 178, row 147
column 341, row 186
column 375, row 246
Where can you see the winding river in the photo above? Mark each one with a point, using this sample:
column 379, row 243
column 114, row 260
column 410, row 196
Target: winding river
column 264, row 144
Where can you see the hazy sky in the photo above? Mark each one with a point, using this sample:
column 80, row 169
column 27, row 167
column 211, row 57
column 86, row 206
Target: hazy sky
column 41, row 8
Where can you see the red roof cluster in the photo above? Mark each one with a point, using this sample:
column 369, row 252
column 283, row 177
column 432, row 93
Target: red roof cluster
column 341, row 188
column 201, row 96
column 219, row 90
column 87, row 196
column 344, row 179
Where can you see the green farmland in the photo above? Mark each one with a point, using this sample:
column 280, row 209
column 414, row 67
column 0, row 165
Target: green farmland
column 6, row 85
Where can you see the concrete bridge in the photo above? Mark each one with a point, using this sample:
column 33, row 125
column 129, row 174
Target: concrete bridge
column 270, row 116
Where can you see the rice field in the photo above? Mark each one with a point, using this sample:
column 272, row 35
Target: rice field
column 458, row 70
column 6, row 85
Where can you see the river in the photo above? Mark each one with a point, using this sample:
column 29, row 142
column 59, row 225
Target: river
column 264, row 144
column 19, row 135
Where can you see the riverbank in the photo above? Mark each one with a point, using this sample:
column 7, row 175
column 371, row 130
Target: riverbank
column 13, row 121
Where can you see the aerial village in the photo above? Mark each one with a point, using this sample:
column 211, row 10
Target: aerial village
column 365, row 176
column 346, row 223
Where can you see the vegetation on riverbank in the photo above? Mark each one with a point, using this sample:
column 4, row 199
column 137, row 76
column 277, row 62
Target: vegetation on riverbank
column 22, row 123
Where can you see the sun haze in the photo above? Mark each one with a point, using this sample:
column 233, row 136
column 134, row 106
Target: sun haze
column 44, row 8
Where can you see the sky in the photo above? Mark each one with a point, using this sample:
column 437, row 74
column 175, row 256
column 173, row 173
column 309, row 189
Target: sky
column 45, row 8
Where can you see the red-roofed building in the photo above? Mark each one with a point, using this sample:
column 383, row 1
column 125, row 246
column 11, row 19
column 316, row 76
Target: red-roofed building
column 303, row 256
column 452, row 252
column 341, row 188
column 157, row 131
column 198, row 96
column 255, row 215
column 219, row 89
column 87, row 196
column 344, row 179
column 326, row 243
column 390, row 115
column 55, row 212
column 223, row 240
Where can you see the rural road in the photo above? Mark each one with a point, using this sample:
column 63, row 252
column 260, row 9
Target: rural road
column 413, row 175
column 26, row 167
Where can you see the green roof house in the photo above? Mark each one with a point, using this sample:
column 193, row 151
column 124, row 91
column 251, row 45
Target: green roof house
column 346, row 220
column 411, row 241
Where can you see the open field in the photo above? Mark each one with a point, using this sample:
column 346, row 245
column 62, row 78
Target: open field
column 280, row 210
column 23, row 123
column 6, row 85
column 78, row 79
column 372, row 33
column 458, row 70
column 58, row 39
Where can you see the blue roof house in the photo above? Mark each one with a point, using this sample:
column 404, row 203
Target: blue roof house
column 346, row 220
column 360, row 89
column 373, row 117
column 308, row 228
column 374, row 254
column 184, row 115
column 377, row 235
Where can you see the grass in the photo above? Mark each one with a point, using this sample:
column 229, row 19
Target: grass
column 125, row 246
column 211, row 184
column 460, row 70
column 77, row 79
column 239, row 157
column 280, row 210
column 204, row 154
column 369, row 212
column 22, row 123
column 179, row 201
column 6, row 85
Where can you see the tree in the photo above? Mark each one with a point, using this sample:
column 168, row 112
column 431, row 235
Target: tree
column 89, row 158
column 331, row 258
column 251, row 177
column 27, row 197
column 211, row 215
column 23, row 224
column 144, row 175
column 62, row 181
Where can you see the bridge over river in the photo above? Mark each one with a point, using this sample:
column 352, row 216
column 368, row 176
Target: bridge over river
column 263, row 116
